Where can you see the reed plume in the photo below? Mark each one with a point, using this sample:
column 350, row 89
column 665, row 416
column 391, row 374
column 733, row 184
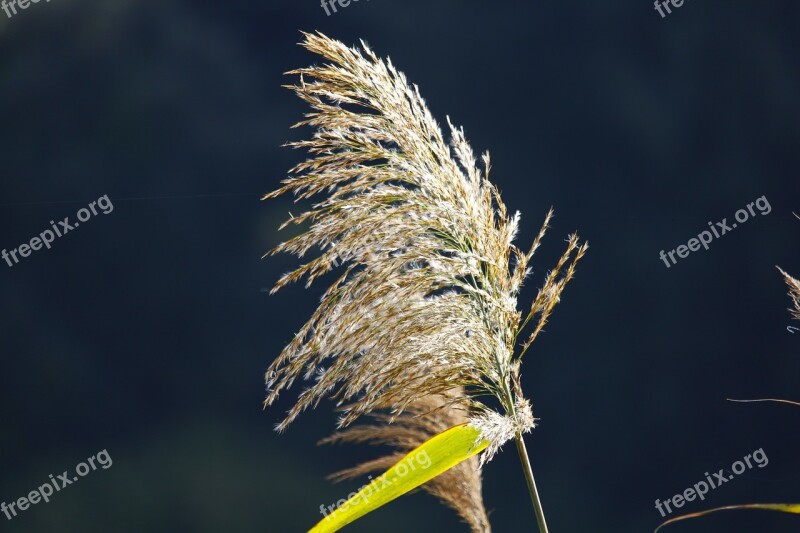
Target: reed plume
column 794, row 293
column 426, row 303
column 794, row 289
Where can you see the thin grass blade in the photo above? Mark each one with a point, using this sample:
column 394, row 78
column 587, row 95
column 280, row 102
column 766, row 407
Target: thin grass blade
column 793, row 508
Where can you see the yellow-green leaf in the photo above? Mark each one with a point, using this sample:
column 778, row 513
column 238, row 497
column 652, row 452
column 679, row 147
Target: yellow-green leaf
column 435, row 456
column 793, row 508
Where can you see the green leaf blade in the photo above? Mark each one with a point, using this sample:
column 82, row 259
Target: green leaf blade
column 437, row 455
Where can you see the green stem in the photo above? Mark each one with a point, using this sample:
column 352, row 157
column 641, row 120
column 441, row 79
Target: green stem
column 526, row 468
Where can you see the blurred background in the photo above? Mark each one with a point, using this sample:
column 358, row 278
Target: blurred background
column 146, row 331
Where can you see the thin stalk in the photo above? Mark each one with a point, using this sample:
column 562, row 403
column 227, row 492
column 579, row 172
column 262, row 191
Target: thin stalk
column 526, row 468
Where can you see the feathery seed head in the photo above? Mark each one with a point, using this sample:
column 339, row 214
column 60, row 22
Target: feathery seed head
column 427, row 298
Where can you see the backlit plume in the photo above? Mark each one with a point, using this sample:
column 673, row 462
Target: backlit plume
column 426, row 300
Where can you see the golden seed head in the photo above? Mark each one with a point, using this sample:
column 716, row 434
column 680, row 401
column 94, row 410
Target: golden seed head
column 427, row 299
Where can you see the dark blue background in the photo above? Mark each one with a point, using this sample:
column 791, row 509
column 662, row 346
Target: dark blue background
column 146, row 332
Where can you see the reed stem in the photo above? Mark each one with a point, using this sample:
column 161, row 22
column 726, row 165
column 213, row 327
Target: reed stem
column 526, row 468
